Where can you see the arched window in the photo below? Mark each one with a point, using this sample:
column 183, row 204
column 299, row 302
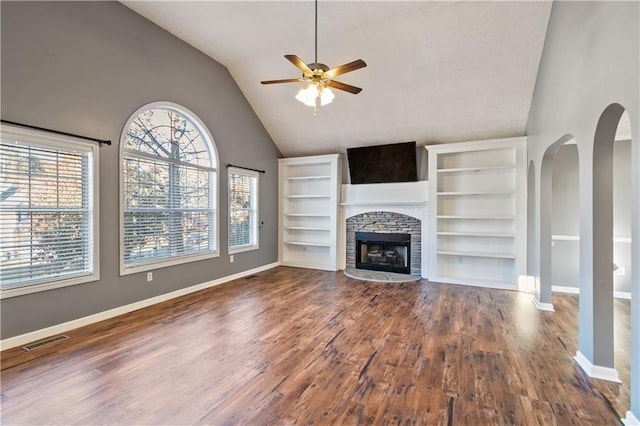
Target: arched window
column 168, row 187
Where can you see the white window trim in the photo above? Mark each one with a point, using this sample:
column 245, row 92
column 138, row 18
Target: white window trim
column 178, row 260
column 47, row 140
column 256, row 244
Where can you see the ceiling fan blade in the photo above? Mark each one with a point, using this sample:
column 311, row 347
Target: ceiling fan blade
column 342, row 69
column 299, row 64
column 346, row 87
column 287, row 80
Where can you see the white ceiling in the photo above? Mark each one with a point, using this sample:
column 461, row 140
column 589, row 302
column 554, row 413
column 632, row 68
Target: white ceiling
column 437, row 71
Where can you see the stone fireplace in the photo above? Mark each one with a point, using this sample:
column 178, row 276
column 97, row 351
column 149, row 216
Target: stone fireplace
column 380, row 210
column 380, row 226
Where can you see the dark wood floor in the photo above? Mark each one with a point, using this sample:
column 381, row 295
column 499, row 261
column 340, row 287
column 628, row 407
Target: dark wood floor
column 299, row 346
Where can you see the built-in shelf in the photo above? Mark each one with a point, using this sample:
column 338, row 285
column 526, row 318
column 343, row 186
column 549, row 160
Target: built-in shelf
column 323, row 177
column 384, row 204
column 478, row 282
column 306, row 228
column 477, row 234
column 477, row 254
column 475, row 193
column 477, row 169
column 457, row 217
column 308, row 205
column 477, row 212
column 308, row 196
column 308, row 243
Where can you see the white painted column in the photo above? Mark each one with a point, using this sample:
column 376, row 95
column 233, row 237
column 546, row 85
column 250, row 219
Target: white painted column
column 545, row 219
column 633, row 415
column 595, row 312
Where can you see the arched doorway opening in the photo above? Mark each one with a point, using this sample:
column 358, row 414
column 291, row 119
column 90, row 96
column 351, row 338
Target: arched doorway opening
column 565, row 220
column 545, row 230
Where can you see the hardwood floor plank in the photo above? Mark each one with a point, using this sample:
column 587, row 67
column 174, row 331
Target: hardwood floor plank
column 292, row 346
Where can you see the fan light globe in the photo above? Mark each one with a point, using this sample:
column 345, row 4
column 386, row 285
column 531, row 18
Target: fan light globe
column 308, row 95
column 326, row 96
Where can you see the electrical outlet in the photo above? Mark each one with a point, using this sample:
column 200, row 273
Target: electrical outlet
column 231, row 259
column 149, row 276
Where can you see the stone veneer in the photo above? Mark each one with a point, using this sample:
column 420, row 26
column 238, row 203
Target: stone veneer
column 385, row 222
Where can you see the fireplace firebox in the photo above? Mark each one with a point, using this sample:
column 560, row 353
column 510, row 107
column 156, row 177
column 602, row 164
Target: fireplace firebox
column 383, row 252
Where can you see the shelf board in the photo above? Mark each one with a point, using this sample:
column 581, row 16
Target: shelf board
column 307, row 243
column 478, row 234
column 307, row 196
column 476, row 282
column 475, row 193
column 321, row 177
column 477, row 169
column 477, row 254
column 475, row 217
column 386, row 203
column 306, row 228
column 307, row 215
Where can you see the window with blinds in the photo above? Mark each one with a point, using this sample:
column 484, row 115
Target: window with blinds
column 47, row 221
column 243, row 210
column 168, row 189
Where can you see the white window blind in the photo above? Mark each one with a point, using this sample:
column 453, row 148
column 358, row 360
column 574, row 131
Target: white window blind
column 243, row 210
column 46, row 211
column 168, row 190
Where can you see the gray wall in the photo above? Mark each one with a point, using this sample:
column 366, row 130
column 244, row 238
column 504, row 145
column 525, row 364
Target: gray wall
column 589, row 66
column 566, row 215
column 85, row 67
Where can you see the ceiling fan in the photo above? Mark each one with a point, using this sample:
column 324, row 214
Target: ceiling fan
column 319, row 77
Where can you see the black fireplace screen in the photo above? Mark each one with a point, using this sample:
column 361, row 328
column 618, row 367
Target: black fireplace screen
column 383, row 252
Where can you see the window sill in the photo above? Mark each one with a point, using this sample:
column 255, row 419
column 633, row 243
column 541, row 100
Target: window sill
column 37, row 288
column 157, row 264
column 242, row 249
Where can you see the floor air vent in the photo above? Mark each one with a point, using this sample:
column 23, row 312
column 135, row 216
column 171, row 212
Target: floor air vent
column 44, row 342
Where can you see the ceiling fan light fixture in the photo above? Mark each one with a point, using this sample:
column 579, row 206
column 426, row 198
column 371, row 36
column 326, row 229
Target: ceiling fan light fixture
column 318, row 77
column 311, row 94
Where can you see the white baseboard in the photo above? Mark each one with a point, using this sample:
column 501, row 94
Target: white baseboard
column 543, row 306
column 631, row 420
column 43, row 333
column 596, row 371
column 526, row 283
column 622, row 295
column 565, row 289
column 575, row 290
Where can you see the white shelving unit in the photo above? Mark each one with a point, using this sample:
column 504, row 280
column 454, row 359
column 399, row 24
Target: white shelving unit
column 308, row 219
column 477, row 219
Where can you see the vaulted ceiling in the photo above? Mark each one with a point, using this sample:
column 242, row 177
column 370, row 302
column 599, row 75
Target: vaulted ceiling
column 437, row 71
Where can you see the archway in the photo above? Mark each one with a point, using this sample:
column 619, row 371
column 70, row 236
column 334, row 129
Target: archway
column 544, row 284
column 565, row 220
